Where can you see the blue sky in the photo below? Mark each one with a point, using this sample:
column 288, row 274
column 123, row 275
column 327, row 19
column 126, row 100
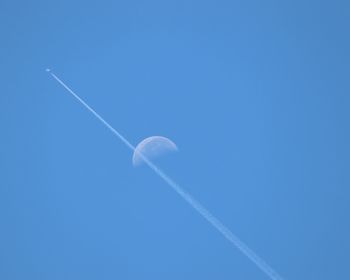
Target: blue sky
column 256, row 97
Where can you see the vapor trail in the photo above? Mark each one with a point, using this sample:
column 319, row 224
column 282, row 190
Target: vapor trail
column 230, row 236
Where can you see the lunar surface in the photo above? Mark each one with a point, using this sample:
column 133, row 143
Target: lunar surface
column 151, row 148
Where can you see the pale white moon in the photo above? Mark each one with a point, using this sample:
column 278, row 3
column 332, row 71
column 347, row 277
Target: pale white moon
column 152, row 147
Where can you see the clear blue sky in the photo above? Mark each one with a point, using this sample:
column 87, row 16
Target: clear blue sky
column 254, row 93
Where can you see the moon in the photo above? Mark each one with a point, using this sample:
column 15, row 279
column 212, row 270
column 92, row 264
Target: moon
column 151, row 148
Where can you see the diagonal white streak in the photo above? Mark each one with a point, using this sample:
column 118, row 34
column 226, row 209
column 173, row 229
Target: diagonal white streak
column 230, row 236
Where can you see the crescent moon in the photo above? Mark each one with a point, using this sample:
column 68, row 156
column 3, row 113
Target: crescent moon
column 152, row 147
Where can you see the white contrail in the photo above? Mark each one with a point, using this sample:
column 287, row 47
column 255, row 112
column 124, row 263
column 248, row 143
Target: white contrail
column 230, row 236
